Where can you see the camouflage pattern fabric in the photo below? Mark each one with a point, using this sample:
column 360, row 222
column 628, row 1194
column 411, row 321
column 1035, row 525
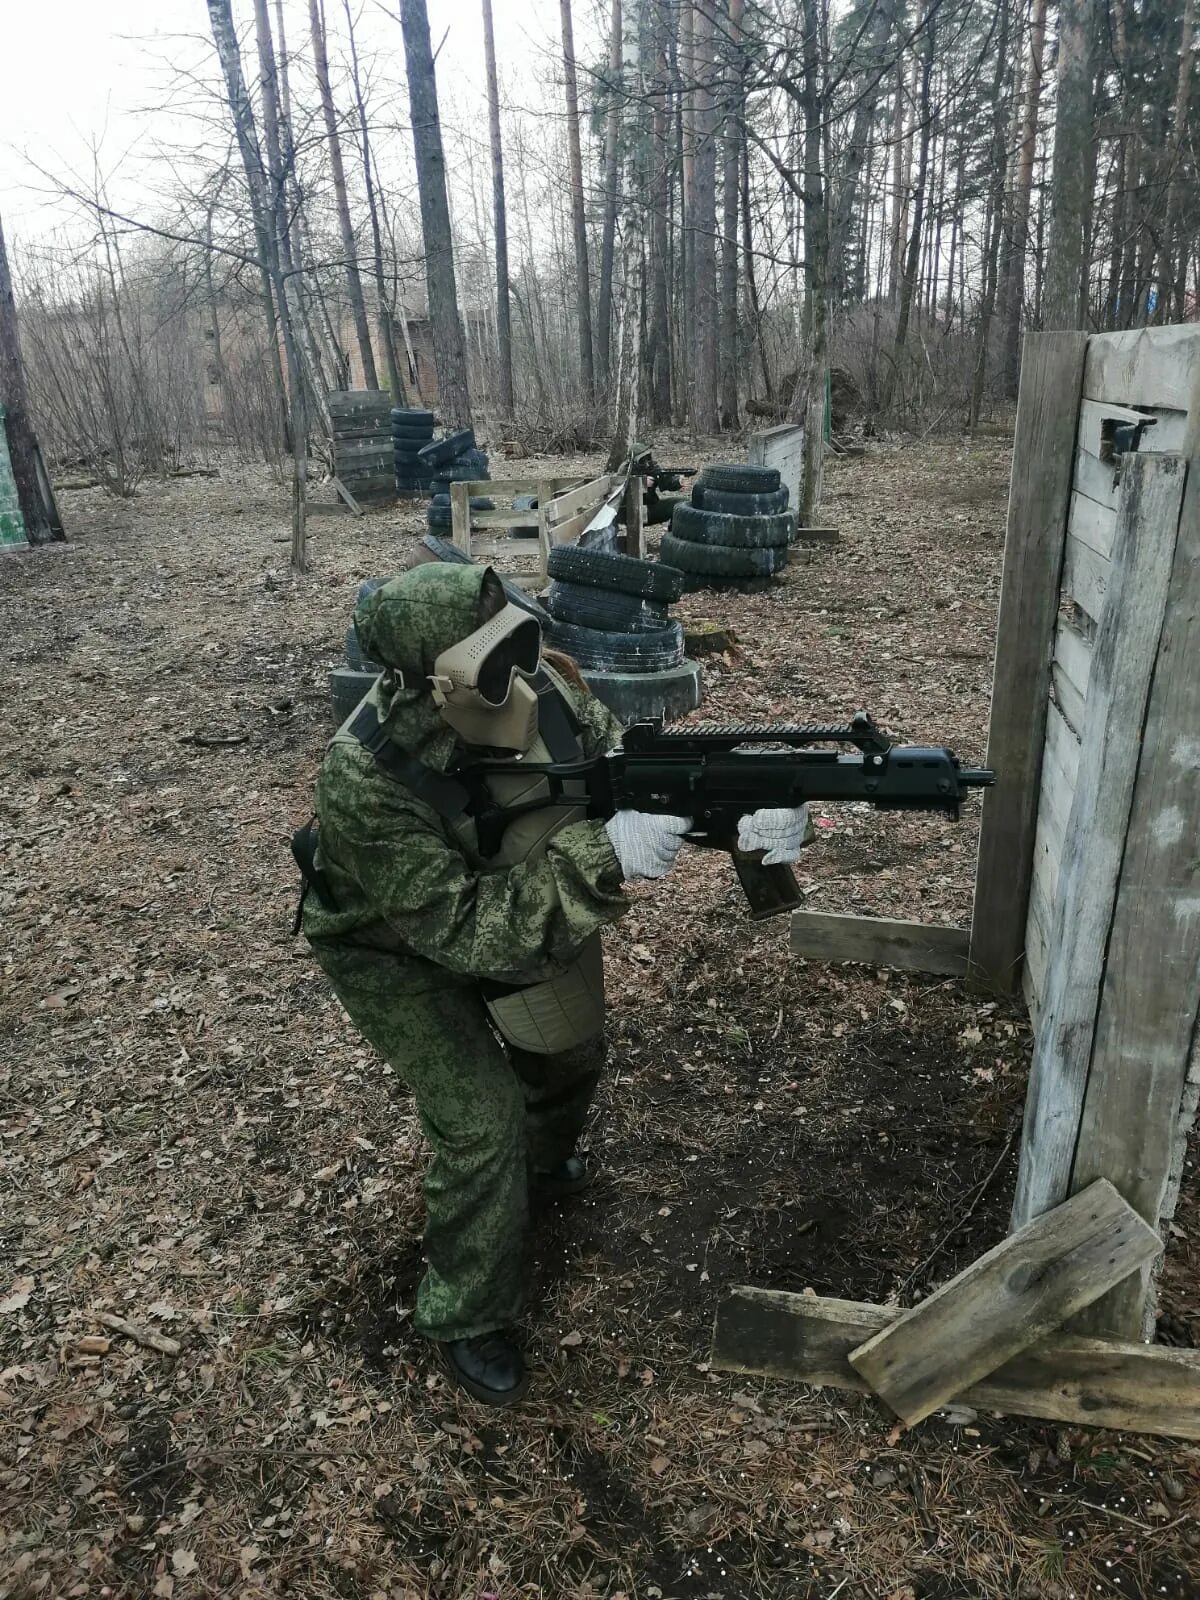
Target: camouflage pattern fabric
column 420, row 916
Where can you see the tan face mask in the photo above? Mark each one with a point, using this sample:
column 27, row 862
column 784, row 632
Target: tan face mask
column 481, row 684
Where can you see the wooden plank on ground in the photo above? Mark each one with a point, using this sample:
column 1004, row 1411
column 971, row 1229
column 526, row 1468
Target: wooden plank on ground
column 1139, row 1388
column 1122, row 664
column 1016, row 1294
column 347, row 497
column 1149, row 1001
column 1145, row 367
column 879, row 942
column 1044, row 450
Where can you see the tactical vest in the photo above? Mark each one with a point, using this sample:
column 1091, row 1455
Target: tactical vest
column 557, row 1013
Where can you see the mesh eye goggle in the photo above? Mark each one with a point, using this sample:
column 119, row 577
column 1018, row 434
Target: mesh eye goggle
column 484, row 662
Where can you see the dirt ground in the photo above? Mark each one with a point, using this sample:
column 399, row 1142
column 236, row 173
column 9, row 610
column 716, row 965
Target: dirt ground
column 194, row 1139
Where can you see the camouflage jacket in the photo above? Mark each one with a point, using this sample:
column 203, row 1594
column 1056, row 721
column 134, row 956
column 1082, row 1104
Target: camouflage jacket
column 411, row 884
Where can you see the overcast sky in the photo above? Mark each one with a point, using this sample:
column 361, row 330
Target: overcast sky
column 74, row 71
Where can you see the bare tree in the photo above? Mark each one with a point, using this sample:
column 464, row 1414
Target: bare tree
column 354, row 289
column 499, row 219
column 583, row 288
column 1022, row 195
column 1070, row 196
column 41, row 521
column 704, row 223
column 612, row 190
column 449, row 350
column 731, row 176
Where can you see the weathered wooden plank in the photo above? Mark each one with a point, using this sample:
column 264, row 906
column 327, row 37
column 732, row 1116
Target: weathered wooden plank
column 1037, row 950
column 635, row 522
column 563, row 506
column 1073, row 668
column 1044, row 450
column 1122, row 663
column 460, row 516
column 545, row 493
column 351, row 502
column 781, row 447
column 1094, row 437
column 1092, row 524
column 1139, row 1388
column 1145, row 367
column 1016, row 1294
column 567, row 532
column 504, row 519
column 1099, row 480
column 1085, row 577
column 1149, row 1001
column 878, row 942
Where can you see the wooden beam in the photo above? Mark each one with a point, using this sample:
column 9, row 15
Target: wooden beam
column 1016, row 1294
column 347, row 497
column 1104, row 1383
column 1150, row 1002
column 635, row 531
column 1122, row 665
column 545, row 493
column 1145, row 367
column 460, row 516
column 878, row 942
column 1044, row 449
column 587, row 494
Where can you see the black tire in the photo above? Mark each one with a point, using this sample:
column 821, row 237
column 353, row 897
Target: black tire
column 738, row 533
column 601, row 608
column 605, row 651
column 740, row 480
column 740, row 505
column 649, row 696
column 411, row 442
column 346, row 689
column 445, row 551
column 445, row 450
column 439, row 519
column 356, row 657
column 470, row 467
column 412, row 417
column 652, row 580
column 721, row 561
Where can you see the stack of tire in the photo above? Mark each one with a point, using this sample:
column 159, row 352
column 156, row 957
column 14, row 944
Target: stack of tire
column 609, row 614
column 454, row 458
column 412, row 430
column 736, row 531
column 362, row 450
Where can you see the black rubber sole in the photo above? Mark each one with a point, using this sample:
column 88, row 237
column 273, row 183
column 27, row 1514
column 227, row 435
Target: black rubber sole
column 487, row 1397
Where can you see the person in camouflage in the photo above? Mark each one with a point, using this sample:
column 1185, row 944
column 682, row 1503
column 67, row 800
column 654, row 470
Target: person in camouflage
column 417, row 917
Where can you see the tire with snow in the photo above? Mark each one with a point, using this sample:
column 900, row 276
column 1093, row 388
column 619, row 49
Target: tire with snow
column 601, row 608
column 442, row 451
column 738, row 533
column 606, row 651
column 651, row 580
column 740, row 505
column 740, row 480
column 722, row 561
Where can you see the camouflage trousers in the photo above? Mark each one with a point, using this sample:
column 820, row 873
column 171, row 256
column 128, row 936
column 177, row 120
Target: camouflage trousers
column 489, row 1113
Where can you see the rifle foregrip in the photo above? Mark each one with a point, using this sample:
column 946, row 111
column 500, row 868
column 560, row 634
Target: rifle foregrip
column 770, row 891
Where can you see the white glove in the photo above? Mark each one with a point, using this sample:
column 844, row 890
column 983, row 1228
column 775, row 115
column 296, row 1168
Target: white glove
column 781, row 833
column 646, row 845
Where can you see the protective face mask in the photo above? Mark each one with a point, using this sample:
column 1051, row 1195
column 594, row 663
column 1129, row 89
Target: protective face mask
column 481, row 684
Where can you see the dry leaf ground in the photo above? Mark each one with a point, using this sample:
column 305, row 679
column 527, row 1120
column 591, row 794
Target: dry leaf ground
column 196, row 1144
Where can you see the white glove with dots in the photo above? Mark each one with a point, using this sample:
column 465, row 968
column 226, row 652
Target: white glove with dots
column 646, row 845
column 781, row 832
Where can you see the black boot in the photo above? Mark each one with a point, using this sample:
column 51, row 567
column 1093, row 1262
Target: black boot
column 489, row 1366
column 571, row 1176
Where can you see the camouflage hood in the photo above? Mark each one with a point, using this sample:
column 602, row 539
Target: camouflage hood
column 406, row 625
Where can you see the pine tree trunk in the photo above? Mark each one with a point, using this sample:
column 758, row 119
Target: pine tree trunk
column 659, row 350
column 1069, row 199
column 874, row 50
column 704, row 229
column 338, row 172
column 996, row 215
column 1172, row 268
column 41, row 523
column 909, row 276
column 449, row 351
column 499, row 220
column 896, row 133
column 687, row 200
column 731, row 166
column 612, row 191
column 1022, row 196
column 583, row 295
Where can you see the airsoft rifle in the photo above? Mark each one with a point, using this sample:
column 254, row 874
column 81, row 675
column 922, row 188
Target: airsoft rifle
column 717, row 774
